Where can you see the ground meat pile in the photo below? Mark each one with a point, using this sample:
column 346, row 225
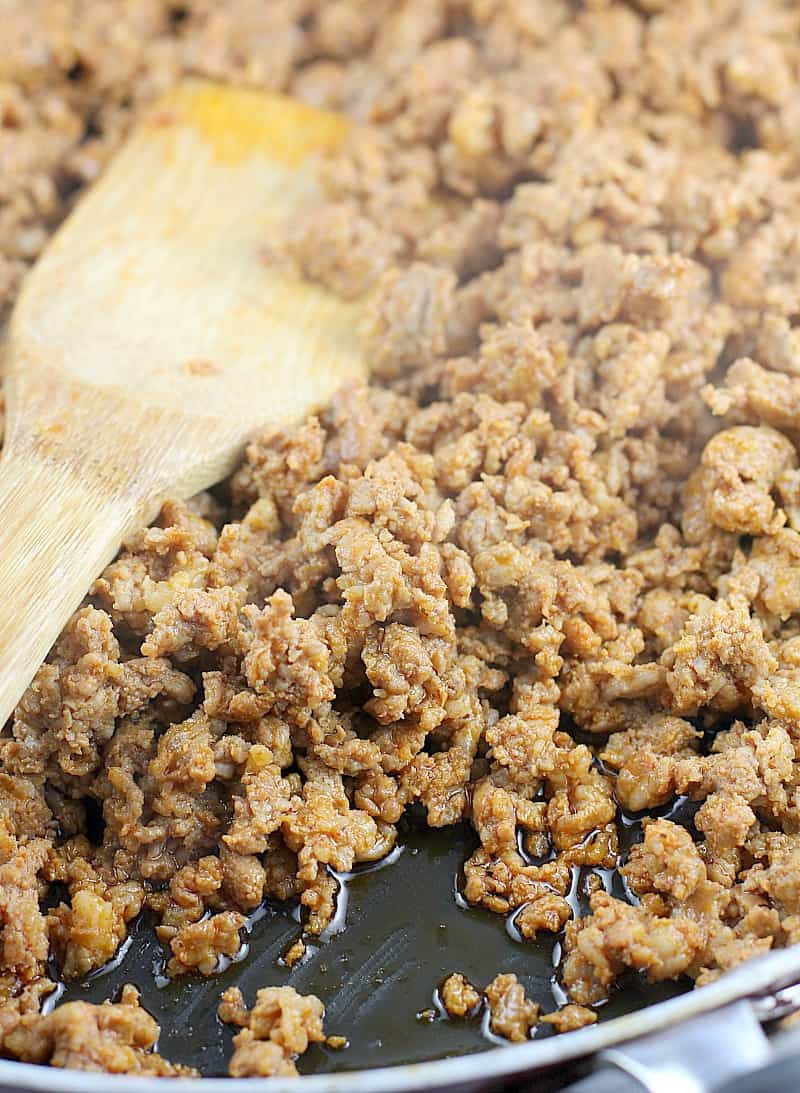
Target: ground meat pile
column 542, row 573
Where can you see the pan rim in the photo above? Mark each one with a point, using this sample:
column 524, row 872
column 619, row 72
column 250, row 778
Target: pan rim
column 760, row 976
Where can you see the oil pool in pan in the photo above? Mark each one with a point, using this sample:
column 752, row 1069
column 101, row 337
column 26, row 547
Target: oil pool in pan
column 406, row 930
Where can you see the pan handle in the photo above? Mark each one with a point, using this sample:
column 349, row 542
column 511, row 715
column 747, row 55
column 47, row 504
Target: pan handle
column 695, row 1056
column 606, row 1080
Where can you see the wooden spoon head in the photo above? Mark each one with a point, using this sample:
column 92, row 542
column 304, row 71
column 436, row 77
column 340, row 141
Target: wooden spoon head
column 157, row 285
column 150, row 340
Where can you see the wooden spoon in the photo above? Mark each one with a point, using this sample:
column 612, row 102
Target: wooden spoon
column 149, row 342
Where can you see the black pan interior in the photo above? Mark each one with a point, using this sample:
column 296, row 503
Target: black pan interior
column 406, row 930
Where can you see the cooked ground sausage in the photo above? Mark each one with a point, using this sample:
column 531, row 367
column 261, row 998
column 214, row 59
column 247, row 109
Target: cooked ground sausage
column 542, row 569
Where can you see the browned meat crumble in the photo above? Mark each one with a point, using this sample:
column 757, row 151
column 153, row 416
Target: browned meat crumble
column 512, row 1014
column 280, row 1026
column 542, row 570
column 114, row 1037
column 458, row 995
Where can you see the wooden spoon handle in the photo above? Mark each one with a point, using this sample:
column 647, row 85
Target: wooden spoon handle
column 57, row 531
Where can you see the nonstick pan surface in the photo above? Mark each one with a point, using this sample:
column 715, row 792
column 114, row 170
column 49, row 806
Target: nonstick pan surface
column 402, row 928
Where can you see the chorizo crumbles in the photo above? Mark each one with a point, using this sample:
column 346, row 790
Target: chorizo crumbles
column 541, row 576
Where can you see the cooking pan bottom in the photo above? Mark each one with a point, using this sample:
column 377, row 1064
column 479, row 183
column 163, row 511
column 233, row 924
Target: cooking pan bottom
column 406, row 930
